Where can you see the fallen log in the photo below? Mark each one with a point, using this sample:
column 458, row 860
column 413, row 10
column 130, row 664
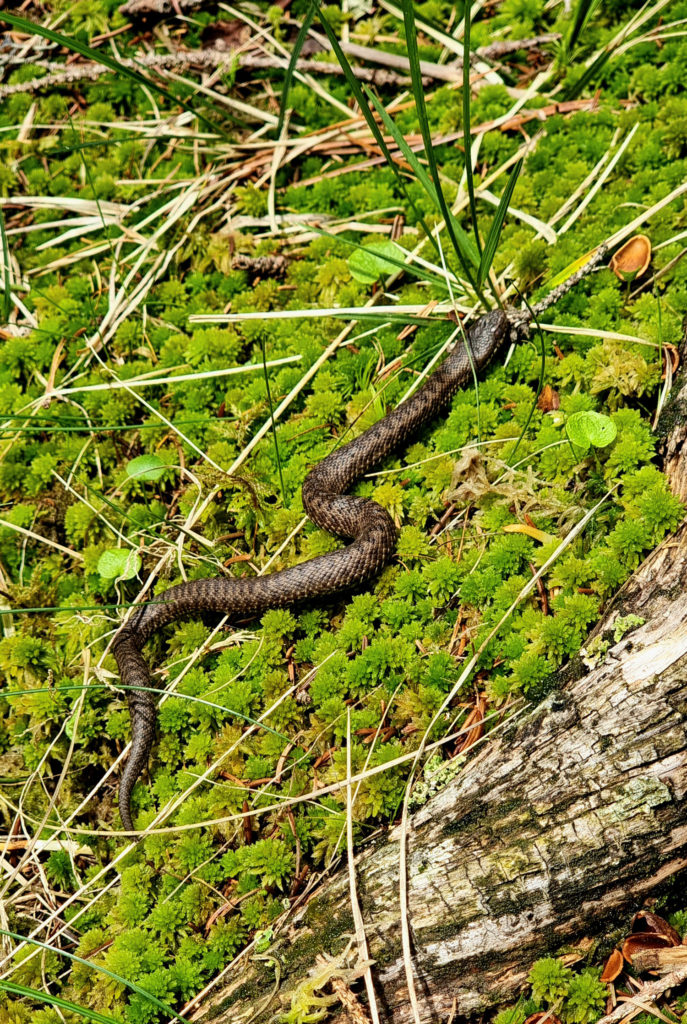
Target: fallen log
column 563, row 826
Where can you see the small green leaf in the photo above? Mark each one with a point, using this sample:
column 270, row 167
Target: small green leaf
column 492, row 241
column 369, row 264
column 119, row 564
column 146, row 467
column 293, row 61
column 591, row 428
column 263, row 939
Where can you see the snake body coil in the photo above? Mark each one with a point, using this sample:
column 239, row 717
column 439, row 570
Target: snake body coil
column 327, row 504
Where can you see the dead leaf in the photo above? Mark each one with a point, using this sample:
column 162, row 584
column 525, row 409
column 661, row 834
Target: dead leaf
column 614, row 966
column 531, row 531
column 469, row 480
column 548, row 399
column 632, row 259
column 225, row 35
column 640, row 941
column 474, row 722
column 646, row 921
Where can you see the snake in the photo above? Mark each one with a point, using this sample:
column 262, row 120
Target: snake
column 328, row 504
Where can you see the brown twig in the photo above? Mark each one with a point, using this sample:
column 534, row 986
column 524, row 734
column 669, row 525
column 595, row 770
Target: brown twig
column 142, row 8
column 541, row 590
column 215, row 57
column 452, row 72
column 211, row 58
column 263, row 266
column 562, row 289
column 647, row 994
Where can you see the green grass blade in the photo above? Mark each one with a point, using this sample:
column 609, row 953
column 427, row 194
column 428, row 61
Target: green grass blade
column 68, row 150
column 584, row 11
column 63, row 1004
column 372, row 124
column 475, row 377
column 432, row 28
column 467, row 98
column 356, row 90
column 594, row 69
column 102, row 970
column 96, row 197
column 6, row 277
column 295, row 54
column 400, row 141
column 418, row 92
column 422, row 176
column 101, row 57
column 491, row 244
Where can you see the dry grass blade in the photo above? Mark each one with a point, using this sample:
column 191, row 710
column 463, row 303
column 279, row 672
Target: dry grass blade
column 76, row 555
column 363, row 951
column 148, row 381
column 313, row 796
column 278, row 47
column 598, row 184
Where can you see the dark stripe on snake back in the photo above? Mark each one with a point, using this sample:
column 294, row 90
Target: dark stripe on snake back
column 329, row 506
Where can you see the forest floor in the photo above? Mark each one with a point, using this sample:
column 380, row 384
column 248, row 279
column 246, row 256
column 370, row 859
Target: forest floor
column 179, row 232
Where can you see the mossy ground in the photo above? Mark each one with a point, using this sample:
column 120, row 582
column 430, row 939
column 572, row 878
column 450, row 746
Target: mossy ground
column 185, row 902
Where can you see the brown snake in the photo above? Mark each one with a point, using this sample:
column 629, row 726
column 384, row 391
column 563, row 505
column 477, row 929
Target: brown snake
column 329, row 506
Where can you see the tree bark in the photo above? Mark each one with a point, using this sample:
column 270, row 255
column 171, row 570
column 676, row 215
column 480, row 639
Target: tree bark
column 562, row 826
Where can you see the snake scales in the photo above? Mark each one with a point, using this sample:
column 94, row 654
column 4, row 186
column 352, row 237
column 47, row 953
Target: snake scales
column 329, row 506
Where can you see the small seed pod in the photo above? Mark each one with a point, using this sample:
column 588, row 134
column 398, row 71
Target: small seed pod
column 632, row 259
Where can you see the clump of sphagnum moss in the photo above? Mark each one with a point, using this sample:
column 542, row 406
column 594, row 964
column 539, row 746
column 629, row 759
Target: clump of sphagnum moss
column 381, row 655
column 575, row 997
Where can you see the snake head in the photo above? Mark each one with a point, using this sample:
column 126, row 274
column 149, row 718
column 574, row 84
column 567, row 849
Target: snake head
column 488, row 334
column 520, row 324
